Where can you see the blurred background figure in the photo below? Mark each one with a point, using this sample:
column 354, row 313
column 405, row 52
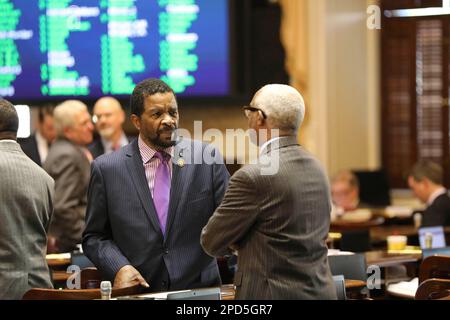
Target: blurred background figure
column 68, row 162
column 37, row 145
column 345, row 192
column 108, row 118
column 26, row 193
column 426, row 181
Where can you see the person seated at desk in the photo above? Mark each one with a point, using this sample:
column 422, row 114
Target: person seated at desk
column 426, row 181
column 345, row 194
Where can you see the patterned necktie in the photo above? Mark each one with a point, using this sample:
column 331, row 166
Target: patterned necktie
column 161, row 190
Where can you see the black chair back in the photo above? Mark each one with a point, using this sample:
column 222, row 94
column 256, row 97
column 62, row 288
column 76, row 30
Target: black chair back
column 339, row 283
column 352, row 266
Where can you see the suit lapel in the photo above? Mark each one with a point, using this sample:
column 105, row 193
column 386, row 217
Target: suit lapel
column 177, row 186
column 137, row 174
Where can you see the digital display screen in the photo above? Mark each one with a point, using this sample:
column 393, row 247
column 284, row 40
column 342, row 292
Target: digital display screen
column 92, row 48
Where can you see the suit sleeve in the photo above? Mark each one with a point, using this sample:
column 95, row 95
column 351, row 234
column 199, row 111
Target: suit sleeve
column 66, row 174
column 435, row 215
column 221, row 177
column 98, row 243
column 233, row 218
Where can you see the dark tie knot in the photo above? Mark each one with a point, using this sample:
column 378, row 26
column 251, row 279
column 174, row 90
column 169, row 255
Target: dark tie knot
column 162, row 156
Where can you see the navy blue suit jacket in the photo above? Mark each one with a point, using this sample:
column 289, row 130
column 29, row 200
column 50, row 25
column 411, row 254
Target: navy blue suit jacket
column 122, row 226
column 30, row 148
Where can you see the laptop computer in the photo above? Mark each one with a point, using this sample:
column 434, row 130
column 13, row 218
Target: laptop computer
column 438, row 237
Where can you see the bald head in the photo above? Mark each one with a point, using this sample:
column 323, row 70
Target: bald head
column 109, row 117
column 9, row 120
column 108, row 102
column 283, row 105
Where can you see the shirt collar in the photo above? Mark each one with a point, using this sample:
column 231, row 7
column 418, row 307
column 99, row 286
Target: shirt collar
column 148, row 153
column 436, row 194
column 108, row 145
column 266, row 144
column 8, row 140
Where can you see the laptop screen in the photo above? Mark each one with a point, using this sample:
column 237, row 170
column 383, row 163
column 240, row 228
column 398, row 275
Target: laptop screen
column 438, row 239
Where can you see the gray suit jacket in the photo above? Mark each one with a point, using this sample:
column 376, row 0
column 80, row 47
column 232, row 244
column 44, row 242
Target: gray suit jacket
column 122, row 226
column 279, row 224
column 26, row 193
column 68, row 165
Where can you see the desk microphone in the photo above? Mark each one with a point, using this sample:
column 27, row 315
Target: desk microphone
column 105, row 290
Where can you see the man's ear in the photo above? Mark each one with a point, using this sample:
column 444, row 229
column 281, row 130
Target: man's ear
column 136, row 121
column 261, row 122
column 67, row 132
column 426, row 182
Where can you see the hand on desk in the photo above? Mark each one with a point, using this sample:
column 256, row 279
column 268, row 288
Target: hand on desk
column 128, row 276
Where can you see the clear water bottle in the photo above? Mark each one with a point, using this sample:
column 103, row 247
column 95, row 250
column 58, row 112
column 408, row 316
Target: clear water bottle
column 428, row 240
column 106, row 289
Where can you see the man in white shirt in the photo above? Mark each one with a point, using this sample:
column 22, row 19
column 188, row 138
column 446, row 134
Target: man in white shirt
column 37, row 145
column 426, row 181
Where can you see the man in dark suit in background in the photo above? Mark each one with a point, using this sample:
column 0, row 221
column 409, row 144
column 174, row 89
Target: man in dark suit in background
column 108, row 118
column 26, row 193
column 426, row 181
column 37, row 145
column 276, row 213
column 148, row 202
column 68, row 162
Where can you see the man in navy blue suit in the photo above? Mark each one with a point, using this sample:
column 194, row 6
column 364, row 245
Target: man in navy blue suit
column 148, row 202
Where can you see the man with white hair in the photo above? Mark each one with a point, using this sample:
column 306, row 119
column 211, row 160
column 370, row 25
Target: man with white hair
column 68, row 162
column 109, row 118
column 277, row 223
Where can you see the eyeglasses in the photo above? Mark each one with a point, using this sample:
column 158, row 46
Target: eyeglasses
column 248, row 109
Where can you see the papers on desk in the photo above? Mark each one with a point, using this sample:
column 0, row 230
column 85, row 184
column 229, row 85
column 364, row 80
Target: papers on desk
column 337, row 252
column 398, row 212
column 58, row 256
column 404, row 289
column 356, row 216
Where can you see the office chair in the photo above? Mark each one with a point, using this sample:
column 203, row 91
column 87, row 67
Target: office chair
column 434, row 267
column 433, row 289
column 339, row 283
column 352, row 266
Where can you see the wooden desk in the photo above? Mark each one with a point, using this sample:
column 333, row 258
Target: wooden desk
column 354, row 284
column 58, row 260
column 340, row 225
column 383, row 258
column 60, row 276
column 380, row 233
column 227, row 292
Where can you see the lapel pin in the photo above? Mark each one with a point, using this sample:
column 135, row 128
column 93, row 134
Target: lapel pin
column 180, row 163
